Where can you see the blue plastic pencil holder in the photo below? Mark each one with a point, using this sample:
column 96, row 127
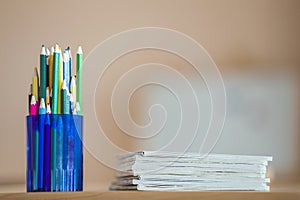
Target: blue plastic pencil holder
column 54, row 153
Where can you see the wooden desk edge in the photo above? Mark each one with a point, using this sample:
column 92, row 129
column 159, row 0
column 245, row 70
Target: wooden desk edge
column 151, row 195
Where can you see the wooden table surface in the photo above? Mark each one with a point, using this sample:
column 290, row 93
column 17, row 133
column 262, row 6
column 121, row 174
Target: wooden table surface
column 277, row 192
column 131, row 195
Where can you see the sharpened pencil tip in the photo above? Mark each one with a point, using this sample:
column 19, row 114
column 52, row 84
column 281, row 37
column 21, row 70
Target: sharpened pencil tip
column 47, row 51
column 69, row 52
column 66, row 57
column 48, row 110
column 64, row 85
column 32, row 101
column 42, row 104
column 79, row 50
column 73, row 80
column 77, row 107
column 43, row 50
column 56, row 48
column 35, row 72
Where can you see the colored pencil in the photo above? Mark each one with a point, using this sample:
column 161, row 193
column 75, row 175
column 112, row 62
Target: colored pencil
column 47, row 96
column 48, row 110
column 33, row 106
column 41, row 144
column 29, row 174
column 59, row 152
column 70, row 158
column 35, row 141
column 47, row 64
column 29, row 97
column 71, row 103
column 73, row 92
column 65, row 98
column 74, row 111
column 47, row 54
column 67, row 130
column 66, row 73
column 60, row 80
column 35, row 84
column 30, row 144
column 70, row 66
column 77, row 108
column 36, row 156
column 42, row 107
column 50, row 74
column 77, row 153
column 43, row 72
column 53, row 153
column 79, row 76
column 47, row 154
column 55, row 81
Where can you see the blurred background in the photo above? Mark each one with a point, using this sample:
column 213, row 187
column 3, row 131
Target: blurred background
column 255, row 45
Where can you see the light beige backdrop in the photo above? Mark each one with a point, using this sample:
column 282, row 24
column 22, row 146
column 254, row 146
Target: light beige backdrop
column 238, row 34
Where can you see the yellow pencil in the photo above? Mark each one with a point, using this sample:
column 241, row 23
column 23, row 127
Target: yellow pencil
column 35, row 84
column 50, row 60
column 47, row 96
column 60, row 80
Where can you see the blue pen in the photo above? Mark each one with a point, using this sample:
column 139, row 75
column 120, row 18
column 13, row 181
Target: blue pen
column 59, row 157
column 53, row 152
column 41, row 145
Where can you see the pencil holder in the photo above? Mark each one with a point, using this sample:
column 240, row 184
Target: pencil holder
column 54, row 153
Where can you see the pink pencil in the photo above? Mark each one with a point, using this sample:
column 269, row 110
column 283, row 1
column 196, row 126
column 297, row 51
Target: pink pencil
column 33, row 106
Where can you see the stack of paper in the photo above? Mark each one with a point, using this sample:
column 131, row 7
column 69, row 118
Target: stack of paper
column 164, row 171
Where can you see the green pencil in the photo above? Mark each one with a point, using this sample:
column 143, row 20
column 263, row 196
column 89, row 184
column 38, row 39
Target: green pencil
column 55, row 84
column 65, row 99
column 79, row 76
column 43, row 72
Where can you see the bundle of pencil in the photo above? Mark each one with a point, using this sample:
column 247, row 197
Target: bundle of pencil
column 60, row 91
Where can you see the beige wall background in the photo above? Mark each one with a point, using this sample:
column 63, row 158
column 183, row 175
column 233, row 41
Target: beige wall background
column 238, row 34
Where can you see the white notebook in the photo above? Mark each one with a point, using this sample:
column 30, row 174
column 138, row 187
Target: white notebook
column 168, row 171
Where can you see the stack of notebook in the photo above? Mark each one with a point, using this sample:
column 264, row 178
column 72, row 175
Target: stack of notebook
column 165, row 171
